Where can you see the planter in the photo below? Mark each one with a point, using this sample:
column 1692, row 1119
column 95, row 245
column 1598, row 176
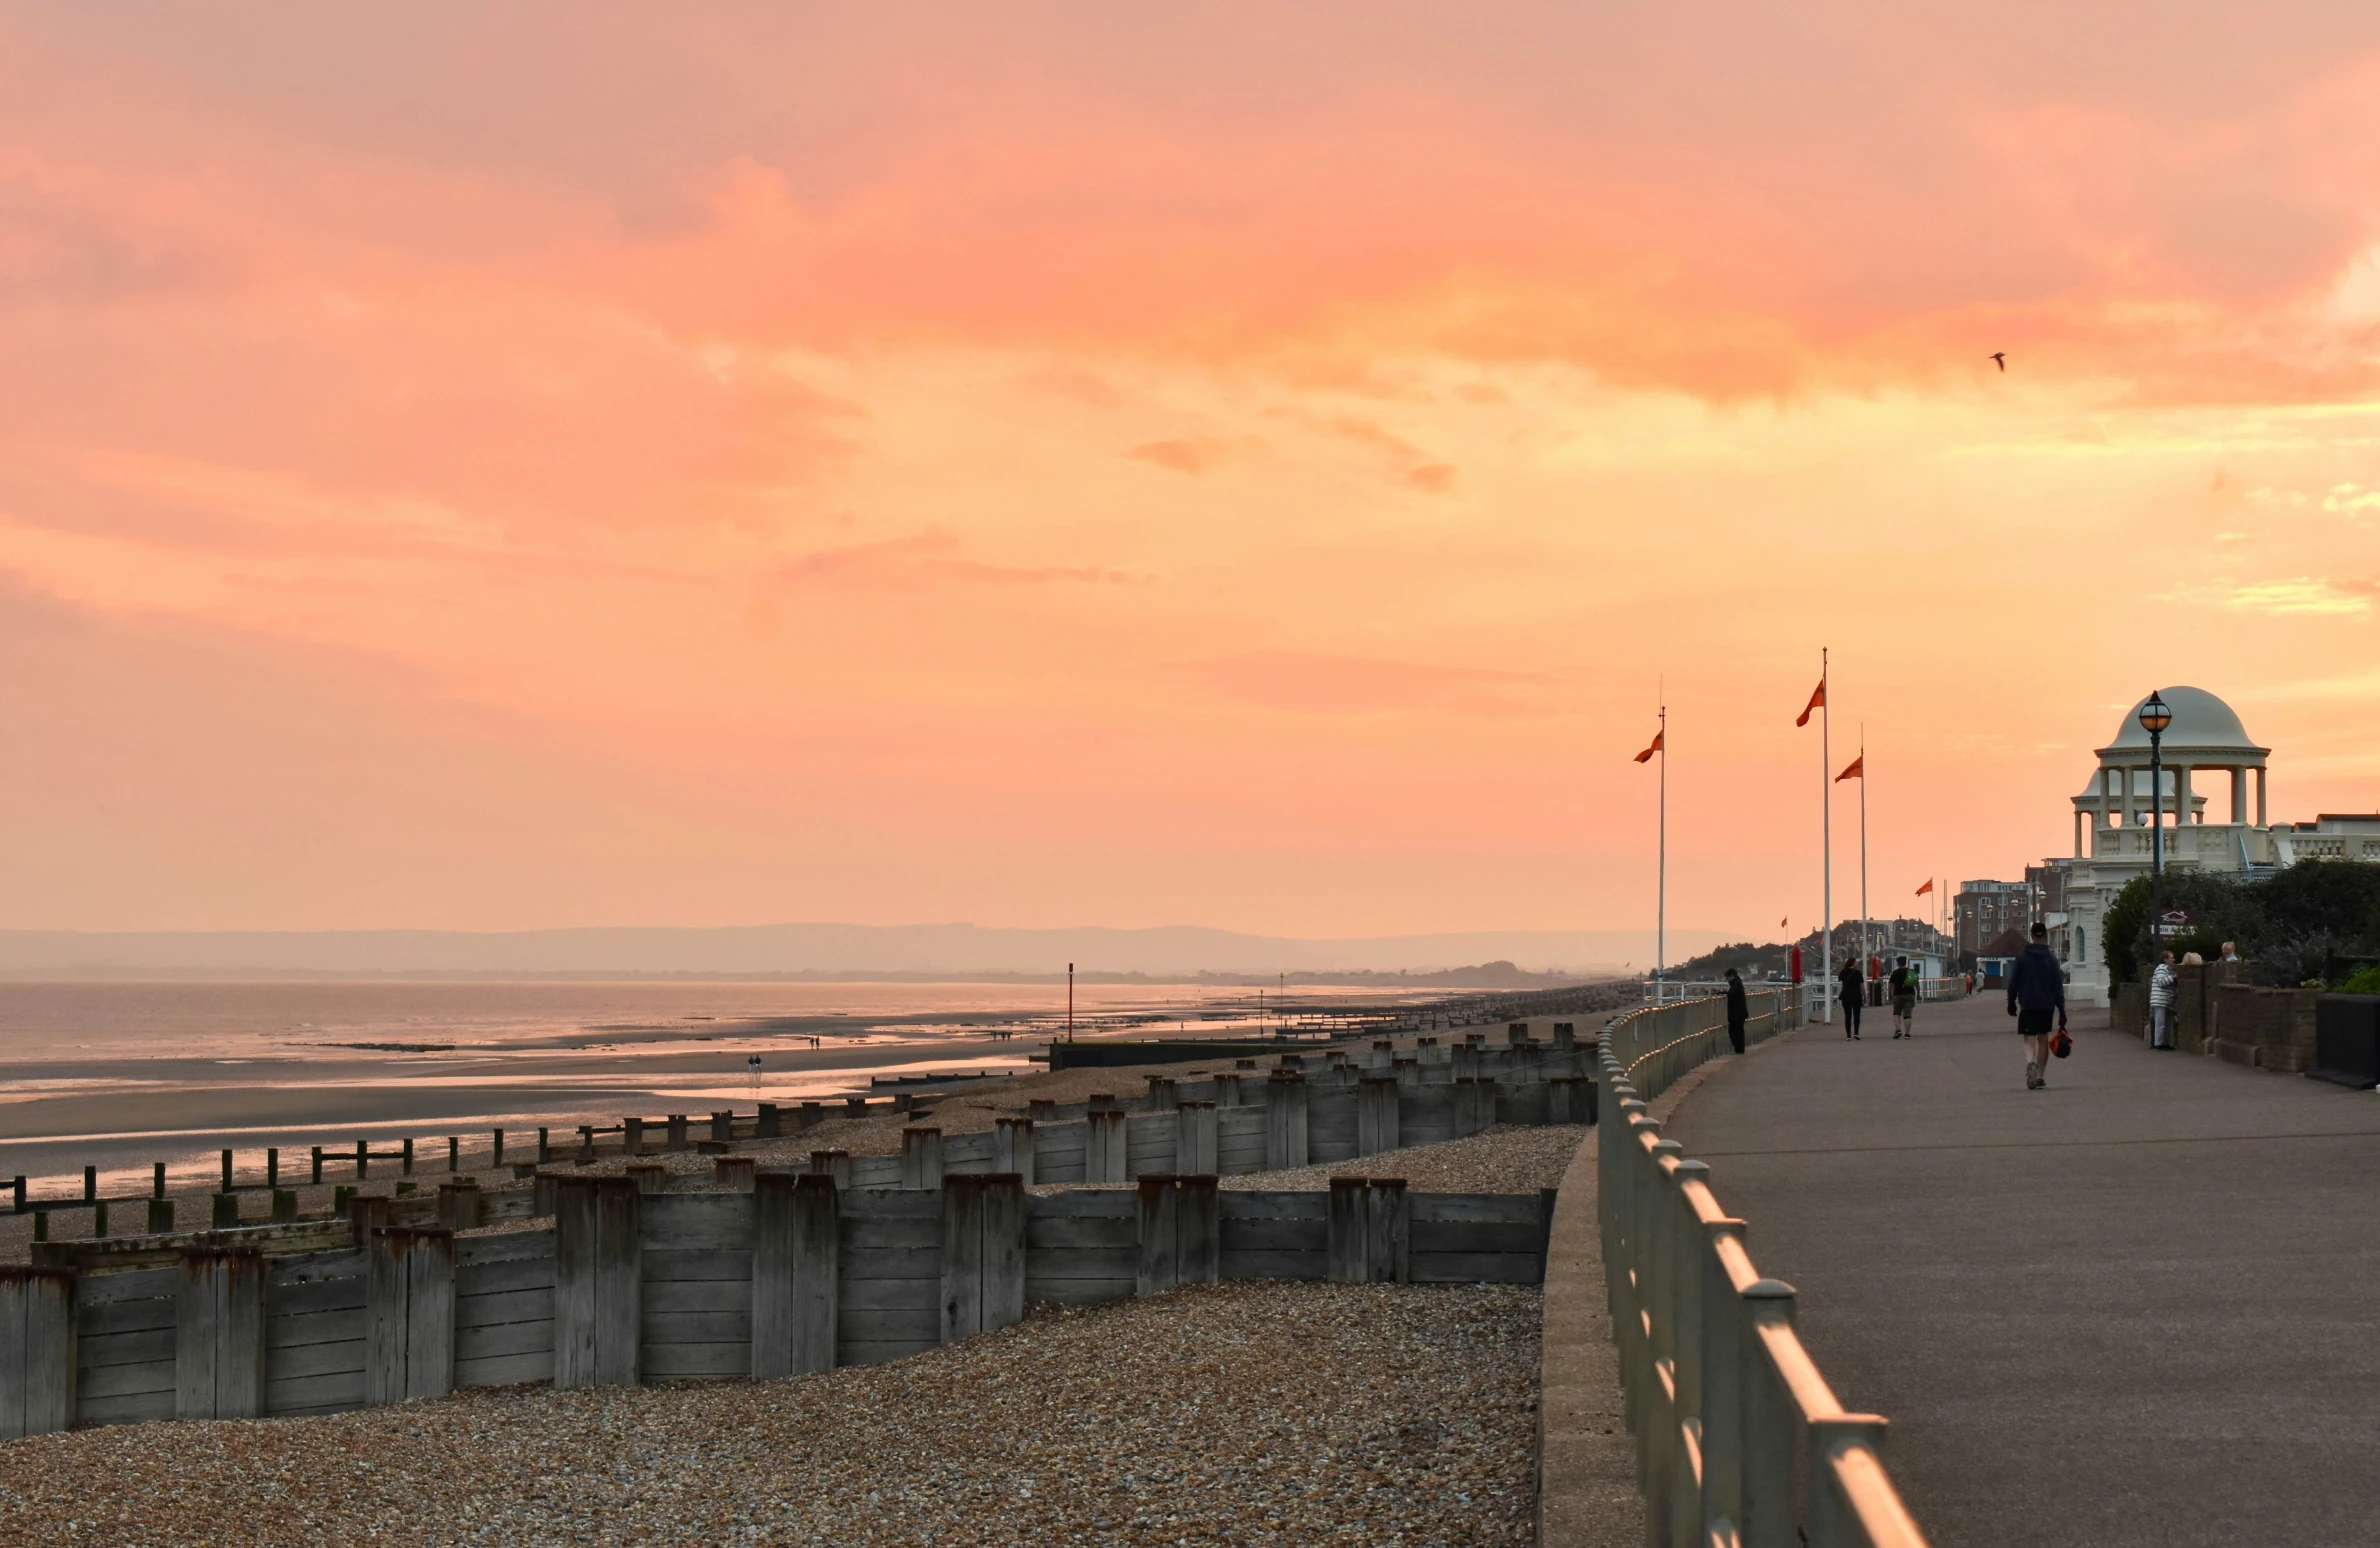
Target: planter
column 2347, row 1039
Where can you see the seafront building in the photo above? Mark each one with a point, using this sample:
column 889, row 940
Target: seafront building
column 2211, row 797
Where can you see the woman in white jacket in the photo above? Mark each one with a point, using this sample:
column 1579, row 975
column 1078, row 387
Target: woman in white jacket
column 2161, row 1003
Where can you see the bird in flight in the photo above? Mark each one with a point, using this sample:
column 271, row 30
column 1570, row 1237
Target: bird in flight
column 2001, row 356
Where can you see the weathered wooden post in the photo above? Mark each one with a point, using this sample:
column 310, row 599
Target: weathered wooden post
column 649, row 1176
column 1106, row 1158
column 1042, row 1109
column 1195, row 1129
column 1228, row 1092
column 734, row 1174
column 855, row 1107
column 921, row 1157
column 766, row 1124
column 1161, row 1097
column 832, row 1163
column 1013, row 1147
column 409, row 1314
column 1384, row 1054
column 285, row 1207
column 227, row 1168
column 797, row 1268
column 677, row 1131
column 460, row 1204
column 1516, row 1033
column 598, row 1272
column 1350, row 1259
column 219, row 1334
column 1565, row 1037
column 723, row 1126
column 37, row 1350
column 1198, row 1230
column 1284, row 1120
column 632, row 1136
column 405, row 1157
column 1472, row 1105
column 1376, row 1115
column 1569, row 1099
column 496, row 1148
column 314, row 1181
column 161, row 1216
column 983, row 1252
column 545, row 1146
column 813, row 1114
column 366, row 1214
column 227, row 1211
column 1387, row 1231
column 1158, row 1266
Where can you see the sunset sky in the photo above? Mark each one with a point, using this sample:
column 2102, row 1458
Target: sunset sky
column 534, row 464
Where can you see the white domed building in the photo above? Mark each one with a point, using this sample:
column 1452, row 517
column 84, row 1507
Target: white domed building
column 2212, row 822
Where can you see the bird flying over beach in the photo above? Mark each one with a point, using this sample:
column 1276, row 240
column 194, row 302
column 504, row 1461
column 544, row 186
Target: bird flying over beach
column 2001, row 356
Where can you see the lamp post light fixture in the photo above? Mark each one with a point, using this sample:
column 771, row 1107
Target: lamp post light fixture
column 2154, row 718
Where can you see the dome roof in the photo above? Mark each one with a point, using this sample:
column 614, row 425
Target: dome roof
column 2201, row 722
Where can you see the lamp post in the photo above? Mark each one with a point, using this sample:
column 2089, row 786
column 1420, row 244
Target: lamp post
column 2154, row 718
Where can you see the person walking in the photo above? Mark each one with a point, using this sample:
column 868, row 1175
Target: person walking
column 1855, row 995
column 2036, row 988
column 2161, row 985
column 1739, row 1010
column 1904, row 998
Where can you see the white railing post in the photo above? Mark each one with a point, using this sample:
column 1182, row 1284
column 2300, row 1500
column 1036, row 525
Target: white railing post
column 1686, row 1285
column 1770, row 1424
column 1722, row 1379
column 1833, row 1523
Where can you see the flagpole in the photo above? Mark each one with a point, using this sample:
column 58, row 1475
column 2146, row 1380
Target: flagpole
column 1864, row 947
column 1661, row 889
column 1826, row 867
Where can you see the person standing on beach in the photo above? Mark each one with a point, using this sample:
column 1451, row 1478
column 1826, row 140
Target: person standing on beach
column 2161, row 1004
column 1739, row 1010
column 2036, row 988
column 1855, row 995
column 1904, row 998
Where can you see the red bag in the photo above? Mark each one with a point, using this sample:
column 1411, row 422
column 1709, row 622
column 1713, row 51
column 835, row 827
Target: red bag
column 2061, row 1045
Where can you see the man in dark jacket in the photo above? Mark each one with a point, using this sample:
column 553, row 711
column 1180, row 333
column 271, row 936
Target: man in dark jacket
column 2036, row 987
column 1739, row 1010
column 1855, row 995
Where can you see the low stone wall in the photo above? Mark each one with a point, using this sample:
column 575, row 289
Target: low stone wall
column 2269, row 1029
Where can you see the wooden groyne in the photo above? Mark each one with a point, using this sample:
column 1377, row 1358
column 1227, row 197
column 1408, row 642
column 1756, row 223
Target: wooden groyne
column 846, row 1260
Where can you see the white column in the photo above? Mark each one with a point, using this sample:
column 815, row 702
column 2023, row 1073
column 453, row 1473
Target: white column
column 2261, row 822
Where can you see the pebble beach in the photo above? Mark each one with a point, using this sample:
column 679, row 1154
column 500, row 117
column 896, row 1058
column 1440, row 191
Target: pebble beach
column 1258, row 1413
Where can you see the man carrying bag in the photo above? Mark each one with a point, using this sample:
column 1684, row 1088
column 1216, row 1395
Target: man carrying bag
column 2036, row 988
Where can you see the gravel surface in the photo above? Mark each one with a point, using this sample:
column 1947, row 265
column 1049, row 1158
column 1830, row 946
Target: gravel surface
column 1261, row 1413
column 1509, row 1158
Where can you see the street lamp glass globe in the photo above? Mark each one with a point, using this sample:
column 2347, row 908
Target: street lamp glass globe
column 2154, row 716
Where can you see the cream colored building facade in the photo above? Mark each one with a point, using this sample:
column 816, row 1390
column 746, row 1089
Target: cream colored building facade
column 2213, row 801
column 2214, row 819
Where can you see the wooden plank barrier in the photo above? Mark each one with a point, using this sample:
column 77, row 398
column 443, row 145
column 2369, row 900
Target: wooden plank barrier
column 796, row 1271
column 409, row 1314
column 37, row 1351
column 598, row 1281
column 219, row 1335
column 983, row 1253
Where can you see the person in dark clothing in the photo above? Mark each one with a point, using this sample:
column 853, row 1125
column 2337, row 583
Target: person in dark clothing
column 2036, row 988
column 1739, row 1010
column 1904, row 997
column 1855, row 995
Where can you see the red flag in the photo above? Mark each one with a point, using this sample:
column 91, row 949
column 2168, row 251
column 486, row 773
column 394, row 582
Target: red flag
column 1656, row 747
column 1855, row 771
column 1817, row 701
column 1928, row 887
column 1781, row 922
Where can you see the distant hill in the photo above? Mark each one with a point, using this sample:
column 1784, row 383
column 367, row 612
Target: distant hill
column 950, row 951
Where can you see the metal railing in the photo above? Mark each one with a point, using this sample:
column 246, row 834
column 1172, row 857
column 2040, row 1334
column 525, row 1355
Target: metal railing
column 1740, row 1443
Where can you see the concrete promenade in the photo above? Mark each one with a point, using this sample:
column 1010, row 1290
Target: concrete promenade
column 2139, row 1307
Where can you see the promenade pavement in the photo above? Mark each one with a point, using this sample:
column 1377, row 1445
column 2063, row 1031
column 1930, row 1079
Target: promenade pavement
column 2139, row 1307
